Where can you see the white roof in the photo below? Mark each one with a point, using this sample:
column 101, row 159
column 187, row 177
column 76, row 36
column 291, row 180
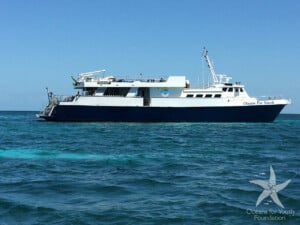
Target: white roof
column 172, row 81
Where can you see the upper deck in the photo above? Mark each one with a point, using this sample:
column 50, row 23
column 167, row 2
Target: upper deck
column 100, row 82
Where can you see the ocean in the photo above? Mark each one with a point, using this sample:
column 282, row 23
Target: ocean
column 148, row 173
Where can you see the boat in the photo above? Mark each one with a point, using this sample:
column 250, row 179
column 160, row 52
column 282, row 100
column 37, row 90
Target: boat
column 102, row 98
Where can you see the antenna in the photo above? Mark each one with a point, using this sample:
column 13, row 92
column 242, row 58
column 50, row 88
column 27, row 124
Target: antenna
column 198, row 77
column 210, row 66
column 202, row 72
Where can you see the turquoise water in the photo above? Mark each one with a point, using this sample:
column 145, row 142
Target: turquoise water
column 136, row 173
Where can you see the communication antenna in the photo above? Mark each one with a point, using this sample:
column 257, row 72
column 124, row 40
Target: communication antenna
column 202, row 72
column 210, row 66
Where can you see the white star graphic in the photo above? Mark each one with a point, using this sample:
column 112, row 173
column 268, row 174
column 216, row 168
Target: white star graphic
column 270, row 188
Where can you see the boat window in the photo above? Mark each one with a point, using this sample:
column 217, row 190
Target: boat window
column 236, row 90
column 217, row 96
column 116, row 91
column 199, row 96
column 190, row 96
column 241, row 89
column 208, row 96
column 230, row 89
column 224, row 89
column 90, row 91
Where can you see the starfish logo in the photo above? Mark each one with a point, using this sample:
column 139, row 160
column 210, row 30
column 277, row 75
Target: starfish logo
column 270, row 188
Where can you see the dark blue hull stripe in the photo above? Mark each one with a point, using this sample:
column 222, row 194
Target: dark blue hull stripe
column 259, row 113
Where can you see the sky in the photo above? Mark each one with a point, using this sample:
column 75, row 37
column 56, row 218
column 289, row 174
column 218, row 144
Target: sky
column 44, row 43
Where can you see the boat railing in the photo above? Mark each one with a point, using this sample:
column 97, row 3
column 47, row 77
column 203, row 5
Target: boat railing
column 61, row 98
column 128, row 80
column 146, row 80
column 266, row 98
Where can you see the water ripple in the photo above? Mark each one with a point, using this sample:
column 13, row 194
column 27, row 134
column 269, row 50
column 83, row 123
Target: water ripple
column 135, row 173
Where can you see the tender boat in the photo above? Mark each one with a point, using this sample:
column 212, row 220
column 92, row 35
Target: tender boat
column 103, row 99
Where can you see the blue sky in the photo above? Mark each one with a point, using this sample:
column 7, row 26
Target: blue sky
column 43, row 43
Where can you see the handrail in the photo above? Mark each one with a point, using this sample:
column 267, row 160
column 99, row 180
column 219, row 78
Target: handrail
column 264, row 98
column 62, row 98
